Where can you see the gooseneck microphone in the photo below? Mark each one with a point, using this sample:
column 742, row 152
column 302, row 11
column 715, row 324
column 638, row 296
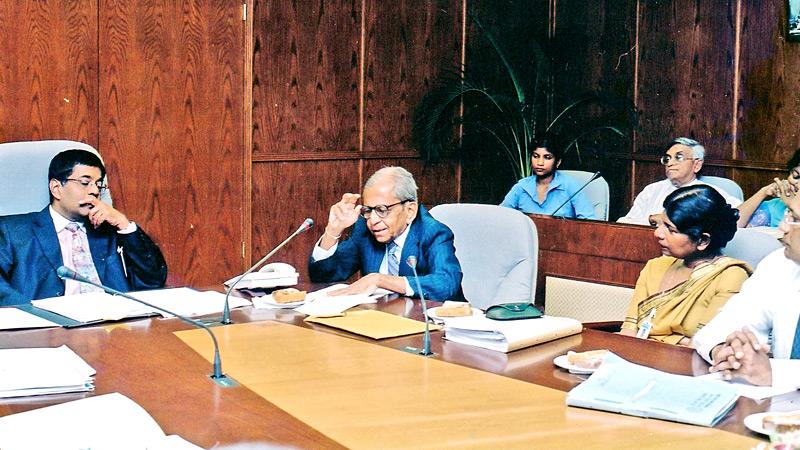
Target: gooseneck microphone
column 594, row 177
column 426, row 339
column 226, row 312
column 67, row 273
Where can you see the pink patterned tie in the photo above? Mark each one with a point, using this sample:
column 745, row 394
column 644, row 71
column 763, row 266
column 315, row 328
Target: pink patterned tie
column 82, row 259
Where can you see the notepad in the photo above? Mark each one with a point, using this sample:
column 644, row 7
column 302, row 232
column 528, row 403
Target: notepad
column 373, row 324
column 40, row 371
column 508, row 335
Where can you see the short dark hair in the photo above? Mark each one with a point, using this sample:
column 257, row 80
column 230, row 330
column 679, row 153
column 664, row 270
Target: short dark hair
column 552, row 144
column 794, row 161
column 62, row 165
column 699, row 209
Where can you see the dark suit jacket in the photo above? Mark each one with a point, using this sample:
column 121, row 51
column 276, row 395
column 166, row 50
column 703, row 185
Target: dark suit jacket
column 30, row 254
column 429, row 240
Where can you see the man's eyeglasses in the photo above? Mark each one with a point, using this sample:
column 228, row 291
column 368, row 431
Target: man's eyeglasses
column 101, row 186
column 679, row 157
column 381, row 210
column 789, row 218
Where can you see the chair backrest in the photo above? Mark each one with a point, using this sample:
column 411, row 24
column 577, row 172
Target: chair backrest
column 596, row 191
column 23, row 174
column 725, row 184
column 585, row 301
column 752, row 244
column 498, row 249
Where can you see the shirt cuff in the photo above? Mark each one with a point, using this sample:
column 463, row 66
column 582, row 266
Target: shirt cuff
column 320, row 253
column 784, row 372
column 409, row 291
column 129, row 229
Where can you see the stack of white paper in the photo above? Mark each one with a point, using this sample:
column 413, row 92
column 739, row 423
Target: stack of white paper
column 101, row 422
column 39, row 371
column 99, row 306
column 508, row 335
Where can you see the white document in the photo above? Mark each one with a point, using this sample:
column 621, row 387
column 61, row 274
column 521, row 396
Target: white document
column 748, row 390
column 14, row 319
column 508, row 335
column 39, row 371
column 189, row 302
column 99, row 306
column 110, row 421
column 320, row 304
column 93, row 307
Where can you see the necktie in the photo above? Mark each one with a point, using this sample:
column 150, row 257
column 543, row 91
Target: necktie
column 796, row 344
column 82, row 258
column 393, row 264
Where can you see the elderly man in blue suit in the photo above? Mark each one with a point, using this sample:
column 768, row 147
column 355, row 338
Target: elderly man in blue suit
column 79, row 231
column 390, row 226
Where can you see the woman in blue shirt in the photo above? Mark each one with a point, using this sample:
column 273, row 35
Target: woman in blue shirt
column 546, row 190
column 757, row 211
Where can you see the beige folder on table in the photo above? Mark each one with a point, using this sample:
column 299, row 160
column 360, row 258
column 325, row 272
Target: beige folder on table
column 373, row 324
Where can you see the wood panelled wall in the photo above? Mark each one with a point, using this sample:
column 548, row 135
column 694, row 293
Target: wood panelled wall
column 720, row 72
column 334, row 87
column 223, row 134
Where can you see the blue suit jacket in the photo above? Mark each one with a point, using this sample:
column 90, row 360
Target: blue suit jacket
column 30, row 254
column 430, row 241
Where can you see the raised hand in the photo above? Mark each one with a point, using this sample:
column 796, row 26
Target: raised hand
column 343, row 214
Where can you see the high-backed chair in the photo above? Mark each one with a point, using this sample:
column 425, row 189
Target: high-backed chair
column 725, row 184
column 23, row 174
column 498, row 249
column 596, row 191
column 752, row 244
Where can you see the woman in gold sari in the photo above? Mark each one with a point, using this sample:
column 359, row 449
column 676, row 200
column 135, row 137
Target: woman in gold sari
column 679, row 292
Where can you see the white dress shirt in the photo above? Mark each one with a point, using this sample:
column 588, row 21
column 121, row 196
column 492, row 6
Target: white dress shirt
column 320, row 253
column 651, row 201
column 768, row 301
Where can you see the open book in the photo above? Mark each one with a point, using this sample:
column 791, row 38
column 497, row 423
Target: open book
column 508, row 335
column 110, row 421
column 627, row 388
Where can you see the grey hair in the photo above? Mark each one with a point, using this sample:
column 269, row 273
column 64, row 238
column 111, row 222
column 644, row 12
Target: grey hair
column 405, row 188
column 698, row 151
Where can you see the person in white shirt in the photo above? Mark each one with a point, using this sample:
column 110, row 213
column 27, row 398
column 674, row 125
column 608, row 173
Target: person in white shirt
column 682, row 161
column 735, row 342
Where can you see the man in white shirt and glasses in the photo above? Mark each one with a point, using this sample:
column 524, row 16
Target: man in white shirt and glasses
column 736, row 342
column 682, row 161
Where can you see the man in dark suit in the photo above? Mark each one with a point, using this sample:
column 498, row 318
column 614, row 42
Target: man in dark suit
column 78, row 231
column 390, row 226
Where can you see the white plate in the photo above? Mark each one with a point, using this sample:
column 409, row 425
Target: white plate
column 432, row 314
column 563, row 362
column 754, row 422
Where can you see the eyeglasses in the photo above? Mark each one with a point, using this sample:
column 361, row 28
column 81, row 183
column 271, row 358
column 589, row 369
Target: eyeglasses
column 789, row 218
column 381, row 210
column 679, row 157
column 101, row 186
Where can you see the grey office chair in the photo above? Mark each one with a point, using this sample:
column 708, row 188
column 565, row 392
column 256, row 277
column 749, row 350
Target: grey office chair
column 725, row 184
column 596, row 191
column 23, row 174
column 498, row 250
column 752, row 244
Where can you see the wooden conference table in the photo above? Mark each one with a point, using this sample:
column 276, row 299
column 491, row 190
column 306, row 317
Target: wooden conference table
column 145, row 361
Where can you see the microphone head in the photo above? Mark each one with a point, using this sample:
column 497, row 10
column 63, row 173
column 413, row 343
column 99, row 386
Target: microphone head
column 65, row 272
column 305, row 226
column 412, row 261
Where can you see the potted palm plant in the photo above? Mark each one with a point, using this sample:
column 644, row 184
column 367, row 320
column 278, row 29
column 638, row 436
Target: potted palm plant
column 514, row 113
